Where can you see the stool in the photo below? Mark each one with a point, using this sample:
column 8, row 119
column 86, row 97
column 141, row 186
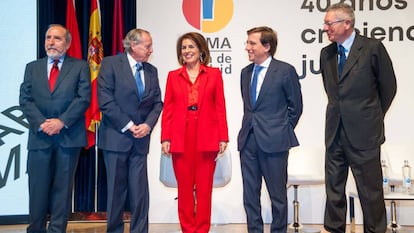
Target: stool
column 393, row 226
column 305, row 167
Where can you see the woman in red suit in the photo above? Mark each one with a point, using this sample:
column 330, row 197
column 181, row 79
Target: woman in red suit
column 194, row 129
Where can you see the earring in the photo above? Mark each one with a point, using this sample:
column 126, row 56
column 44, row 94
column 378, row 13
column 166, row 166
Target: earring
column 201, row 58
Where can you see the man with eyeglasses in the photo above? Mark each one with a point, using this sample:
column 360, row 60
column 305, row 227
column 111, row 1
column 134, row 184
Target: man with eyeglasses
column 360, row 84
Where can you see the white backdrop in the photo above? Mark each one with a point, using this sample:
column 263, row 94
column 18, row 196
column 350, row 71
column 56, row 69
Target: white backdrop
column 18, row 47
column 300, row 41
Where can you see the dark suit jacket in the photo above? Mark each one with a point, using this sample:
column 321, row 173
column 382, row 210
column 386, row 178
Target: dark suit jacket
column 277, row 110
column 68, row 102
column 212, row 121
column 362, row 96
column 118, row 101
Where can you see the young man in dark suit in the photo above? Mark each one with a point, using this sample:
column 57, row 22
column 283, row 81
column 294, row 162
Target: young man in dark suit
column 272, row 103
column 54, row 96
column 360, row 83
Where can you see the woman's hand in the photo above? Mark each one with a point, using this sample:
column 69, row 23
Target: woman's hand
column 165, row 148
column 223, row 146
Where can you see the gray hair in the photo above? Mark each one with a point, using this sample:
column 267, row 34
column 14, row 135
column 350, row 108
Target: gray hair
column 343, row 12
column 133, row 36
column 68, row 36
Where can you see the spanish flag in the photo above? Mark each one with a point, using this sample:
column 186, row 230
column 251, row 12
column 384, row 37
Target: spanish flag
column 95, row 56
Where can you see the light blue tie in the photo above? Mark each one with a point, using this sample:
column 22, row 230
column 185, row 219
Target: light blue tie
column 138, row 80
column 253, row 87
column 342, row 59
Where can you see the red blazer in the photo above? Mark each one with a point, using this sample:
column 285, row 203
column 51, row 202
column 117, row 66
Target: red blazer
column 212, row 120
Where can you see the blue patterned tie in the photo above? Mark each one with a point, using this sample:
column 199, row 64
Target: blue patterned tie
column 253, row 88
column 342, row 59
column 138, row 80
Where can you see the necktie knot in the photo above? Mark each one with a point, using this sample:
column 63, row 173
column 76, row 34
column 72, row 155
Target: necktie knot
column 139, row 67
column 341, row 50
column 55, row 64
column 257, row 69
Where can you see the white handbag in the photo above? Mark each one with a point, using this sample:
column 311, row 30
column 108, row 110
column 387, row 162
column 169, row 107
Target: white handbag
column 222, row 174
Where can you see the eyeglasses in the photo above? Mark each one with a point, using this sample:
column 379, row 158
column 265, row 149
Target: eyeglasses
column 329, row 24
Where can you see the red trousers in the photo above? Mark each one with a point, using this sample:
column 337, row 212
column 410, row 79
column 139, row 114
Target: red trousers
column 194, row 171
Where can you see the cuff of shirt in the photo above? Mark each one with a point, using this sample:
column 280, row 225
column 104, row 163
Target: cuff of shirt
column 130, row 123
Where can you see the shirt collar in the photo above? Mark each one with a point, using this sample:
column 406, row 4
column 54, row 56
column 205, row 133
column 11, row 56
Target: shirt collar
column 348, row 43
column 203, row 69
column 50, row 60
column 266, row 63
column 131, row 61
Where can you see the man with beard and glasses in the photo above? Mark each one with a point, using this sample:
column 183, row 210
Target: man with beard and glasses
column 54, row 96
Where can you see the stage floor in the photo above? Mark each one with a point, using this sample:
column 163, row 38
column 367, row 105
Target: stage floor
column 99, row 227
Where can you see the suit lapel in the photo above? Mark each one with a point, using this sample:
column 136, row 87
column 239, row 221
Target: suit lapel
column 126, row 72
column 266, row 81
column 43, row 74
column 332, row 62
column 147, row 77
column 203, row 79
column 66, row 67
column 246, row 81
column 353, row 56
column 182, row 83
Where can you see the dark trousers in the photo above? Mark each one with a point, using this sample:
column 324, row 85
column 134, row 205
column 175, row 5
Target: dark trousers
column 366, row 168
column 127, row 174
column 255, row 165
column 51, row 172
